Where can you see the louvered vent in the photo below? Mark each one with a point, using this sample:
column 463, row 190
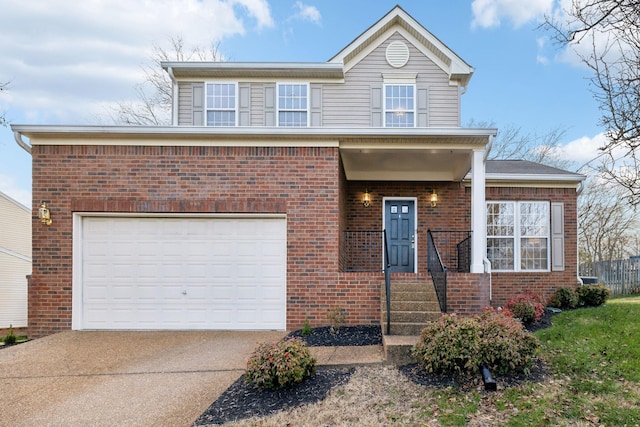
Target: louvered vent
column 397, row 54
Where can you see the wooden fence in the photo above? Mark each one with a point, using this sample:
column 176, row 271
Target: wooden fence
column 622, row 277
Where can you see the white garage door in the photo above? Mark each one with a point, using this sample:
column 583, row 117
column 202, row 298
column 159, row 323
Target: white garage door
column 181, row 273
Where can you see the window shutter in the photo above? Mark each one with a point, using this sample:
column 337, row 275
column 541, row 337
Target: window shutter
column 557, row 236
column 244, row 104
column 376, row 107
column 423, row 118
column 316, row 105
column 270, row 105
column 198, row 104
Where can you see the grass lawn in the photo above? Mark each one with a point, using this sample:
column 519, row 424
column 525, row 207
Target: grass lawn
column 593, row 354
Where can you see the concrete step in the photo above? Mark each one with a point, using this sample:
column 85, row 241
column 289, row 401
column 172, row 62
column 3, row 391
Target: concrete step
column 411, row 287
column 412, row 316
column 408, row 328
column 397, row 348
column 411, row 296
column 414, row 305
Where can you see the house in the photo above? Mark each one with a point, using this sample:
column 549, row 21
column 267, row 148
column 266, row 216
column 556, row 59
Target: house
column 15, row 262
column 284, row 190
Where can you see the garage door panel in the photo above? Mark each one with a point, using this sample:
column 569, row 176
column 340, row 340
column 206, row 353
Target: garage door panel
column 183, row 273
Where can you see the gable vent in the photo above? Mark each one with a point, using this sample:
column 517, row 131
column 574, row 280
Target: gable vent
column 397, row 54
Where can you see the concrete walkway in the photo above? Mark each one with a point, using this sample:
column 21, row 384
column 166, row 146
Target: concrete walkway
column 133, row 378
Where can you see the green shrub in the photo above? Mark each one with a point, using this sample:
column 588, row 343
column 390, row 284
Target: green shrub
column 280, row 364
column 505, row 346
column 10, row 338
column 306, row 328
column 592, row 295
column 527, row 307
column 564, row 298
column 459, row 345
column 336, row 317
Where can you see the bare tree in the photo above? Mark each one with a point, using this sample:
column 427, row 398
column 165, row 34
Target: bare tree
column 154, row 95
column 612, row 27
column 3, row 117
column 512, row 143
column 607, row 227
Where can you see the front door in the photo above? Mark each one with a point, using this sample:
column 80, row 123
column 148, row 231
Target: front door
column 401, row 229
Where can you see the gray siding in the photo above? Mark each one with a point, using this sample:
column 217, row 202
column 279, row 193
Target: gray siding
column 354, row 103
column 350, row 104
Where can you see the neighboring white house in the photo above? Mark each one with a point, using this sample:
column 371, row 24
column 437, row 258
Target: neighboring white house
column 15, row 261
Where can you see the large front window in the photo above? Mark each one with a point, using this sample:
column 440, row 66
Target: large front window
column 221, row 104
column 292, row 105
column 518, row 235
column 399, row 105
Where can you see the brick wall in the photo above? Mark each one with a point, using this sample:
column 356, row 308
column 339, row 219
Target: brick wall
column 303, row 183
column 467, row 293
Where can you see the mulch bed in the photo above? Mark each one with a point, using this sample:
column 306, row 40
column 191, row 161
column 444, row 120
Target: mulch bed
column 241, row 400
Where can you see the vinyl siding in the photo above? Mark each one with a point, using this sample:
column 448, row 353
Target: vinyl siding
column 15, row 255
column 349, row 104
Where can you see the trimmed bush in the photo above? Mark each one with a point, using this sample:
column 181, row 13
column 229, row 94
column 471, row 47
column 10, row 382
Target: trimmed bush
column 459, row 345
column 592, row 295
column 564, row 298
column 280, row 364
column 10, row 338
column 527, row 307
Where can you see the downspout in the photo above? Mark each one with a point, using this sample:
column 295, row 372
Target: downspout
column 18, row 137
column 174, row 97
column 578, row 192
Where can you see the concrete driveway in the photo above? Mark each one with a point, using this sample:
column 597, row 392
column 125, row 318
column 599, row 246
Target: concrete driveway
column 120, row 378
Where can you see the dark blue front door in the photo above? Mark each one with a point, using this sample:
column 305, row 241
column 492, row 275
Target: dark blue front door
column 400, row 226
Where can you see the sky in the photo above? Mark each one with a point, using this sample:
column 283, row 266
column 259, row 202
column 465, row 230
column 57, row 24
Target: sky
column 71, row 62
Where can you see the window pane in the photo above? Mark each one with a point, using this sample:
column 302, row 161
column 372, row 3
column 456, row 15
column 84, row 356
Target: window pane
column 292, row 118
column 500, row 219
column 292, row 105
column 399, row 106
column 533, row 254
column 221, row 118
column 534, row 219
column 500, row 253
column 221, row 104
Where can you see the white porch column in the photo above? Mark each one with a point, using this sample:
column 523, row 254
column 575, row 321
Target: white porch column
column 478, row 209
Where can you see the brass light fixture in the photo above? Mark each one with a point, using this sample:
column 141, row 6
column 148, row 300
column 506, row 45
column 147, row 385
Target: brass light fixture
column 366, row 199
column 433, row 199
column 44, row 214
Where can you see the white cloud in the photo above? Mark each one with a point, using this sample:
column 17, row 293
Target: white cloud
column 492, row 13
column 308, row 13
column 66, row 59
column 17, row 192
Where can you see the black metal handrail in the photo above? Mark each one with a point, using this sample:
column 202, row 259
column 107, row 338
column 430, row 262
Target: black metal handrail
column 438, row 271
column 454, row 247
column 387, row 281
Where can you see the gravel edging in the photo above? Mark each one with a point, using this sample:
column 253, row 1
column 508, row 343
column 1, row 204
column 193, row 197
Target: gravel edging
column 242, row 400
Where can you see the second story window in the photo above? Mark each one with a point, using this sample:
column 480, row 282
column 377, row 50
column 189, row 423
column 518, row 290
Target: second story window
column 292, row 105
column 399, row 105
column 221, row 104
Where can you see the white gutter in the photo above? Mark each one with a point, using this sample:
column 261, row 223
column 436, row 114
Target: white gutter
column 488, row 147
column 174, row 97
column 18, row 137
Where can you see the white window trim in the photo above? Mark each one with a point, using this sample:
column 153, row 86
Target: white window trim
column 517, row 236
column 206, row 106
column 390, row 82
column 278, row 109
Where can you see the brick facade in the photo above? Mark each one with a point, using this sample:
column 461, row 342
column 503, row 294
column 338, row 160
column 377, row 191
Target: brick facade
column 307, row 184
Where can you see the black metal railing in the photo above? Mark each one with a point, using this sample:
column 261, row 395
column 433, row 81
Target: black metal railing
column 367, row 251
column 387, row 281
column 438, row 271
column 362, row 251
column 454, row 247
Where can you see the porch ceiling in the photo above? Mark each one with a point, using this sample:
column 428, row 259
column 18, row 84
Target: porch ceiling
column 413, row 155
column 388, row 164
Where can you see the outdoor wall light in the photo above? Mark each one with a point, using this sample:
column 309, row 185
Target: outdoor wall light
column 433, row 199
column 366, row 199
column 44, row 214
